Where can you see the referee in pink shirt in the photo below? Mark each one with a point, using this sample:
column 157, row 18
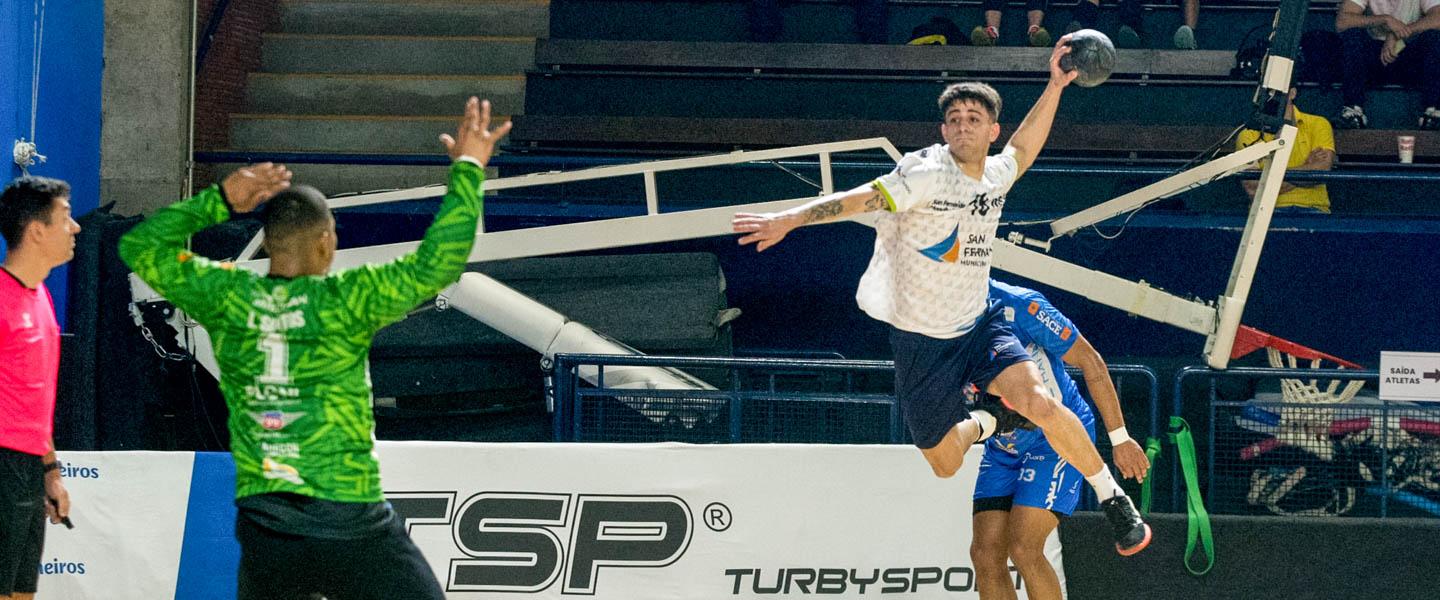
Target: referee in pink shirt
column 39, row 236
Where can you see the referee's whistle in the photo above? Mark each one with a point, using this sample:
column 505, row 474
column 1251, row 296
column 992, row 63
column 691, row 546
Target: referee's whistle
column 63, row 520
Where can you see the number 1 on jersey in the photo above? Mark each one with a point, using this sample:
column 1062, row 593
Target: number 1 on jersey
column 277, row 359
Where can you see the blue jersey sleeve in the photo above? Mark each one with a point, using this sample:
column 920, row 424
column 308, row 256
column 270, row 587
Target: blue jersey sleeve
column 1036, row 319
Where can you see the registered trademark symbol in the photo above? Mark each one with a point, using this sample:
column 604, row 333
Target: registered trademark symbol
column 717, row 516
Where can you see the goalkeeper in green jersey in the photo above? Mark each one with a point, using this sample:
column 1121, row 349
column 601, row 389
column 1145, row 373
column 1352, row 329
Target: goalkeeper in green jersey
column 293, row 349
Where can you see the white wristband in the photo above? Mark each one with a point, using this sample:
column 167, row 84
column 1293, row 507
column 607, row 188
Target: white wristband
column 1119, row 436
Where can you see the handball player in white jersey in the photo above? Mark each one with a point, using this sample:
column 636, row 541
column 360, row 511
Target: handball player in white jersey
column 929, row 279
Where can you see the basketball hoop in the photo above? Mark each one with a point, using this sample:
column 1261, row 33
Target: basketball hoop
column 1285, row 354
column 1324, row 484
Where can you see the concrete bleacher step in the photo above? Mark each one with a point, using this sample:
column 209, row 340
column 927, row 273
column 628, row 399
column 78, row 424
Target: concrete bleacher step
column 397, row 54
column 913, row 99
column 332, row 94
column 430, row 17
column 341, row 134
column 1065, row 138
column 617, row 55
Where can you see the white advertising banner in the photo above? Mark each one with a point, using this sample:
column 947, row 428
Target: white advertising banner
column 128, row 509
column 674, row 521
column 555, row 521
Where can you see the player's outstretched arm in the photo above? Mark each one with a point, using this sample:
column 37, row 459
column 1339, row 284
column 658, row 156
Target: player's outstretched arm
column 1129, row 457
column 380, row 294
column 155, row 249
column 766, row 230
column 1029, row 137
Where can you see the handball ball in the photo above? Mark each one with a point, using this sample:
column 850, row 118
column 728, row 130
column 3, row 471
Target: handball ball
column 1092, row 54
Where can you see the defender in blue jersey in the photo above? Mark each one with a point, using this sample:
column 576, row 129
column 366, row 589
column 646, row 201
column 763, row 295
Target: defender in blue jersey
column 1024, row 486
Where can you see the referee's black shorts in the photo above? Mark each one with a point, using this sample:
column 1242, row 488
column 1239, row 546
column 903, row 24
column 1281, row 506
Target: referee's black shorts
column 22, row 521
column 931, row 373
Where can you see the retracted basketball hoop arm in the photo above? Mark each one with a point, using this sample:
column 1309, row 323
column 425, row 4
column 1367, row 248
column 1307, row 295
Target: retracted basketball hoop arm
column 1220, row 321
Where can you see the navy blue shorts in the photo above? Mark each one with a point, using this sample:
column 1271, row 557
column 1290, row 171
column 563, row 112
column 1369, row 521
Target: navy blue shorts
column 931, row 374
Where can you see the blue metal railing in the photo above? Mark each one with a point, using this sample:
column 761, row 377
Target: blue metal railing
column 1410, row 173
column 572, row 400
column 756, row 385
column 1087, row 167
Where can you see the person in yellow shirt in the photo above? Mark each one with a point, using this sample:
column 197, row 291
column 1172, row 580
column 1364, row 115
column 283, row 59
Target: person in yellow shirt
column 1314, row 151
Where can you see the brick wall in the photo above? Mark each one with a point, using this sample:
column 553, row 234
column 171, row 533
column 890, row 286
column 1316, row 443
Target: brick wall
column 234, row 53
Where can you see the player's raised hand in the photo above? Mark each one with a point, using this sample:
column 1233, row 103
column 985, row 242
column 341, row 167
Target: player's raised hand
column 474, row 138
column 251, row 186
column 1059, row 76
column 763, row 230
column 1130, row 459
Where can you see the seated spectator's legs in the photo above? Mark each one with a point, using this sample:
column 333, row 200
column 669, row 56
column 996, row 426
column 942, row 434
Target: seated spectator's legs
column 1036, row 34
column 1185, row 35
column 1420, row 63
column 765, row 20
column 1360, row 58
column 872, row 21
column 988, row 34
column 1086, row 15
column 1128, row 36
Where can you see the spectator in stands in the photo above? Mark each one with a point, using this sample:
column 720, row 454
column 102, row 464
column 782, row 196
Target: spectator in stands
column 1087, row 13
column 1314, row 151
column 871, row 20
column 1392, row 40
column 1024, row 488
column 40, row 235
column 989, row 33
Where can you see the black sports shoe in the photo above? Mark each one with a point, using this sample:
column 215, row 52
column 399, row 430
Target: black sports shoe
column 1006, row 419
column 1131, row 533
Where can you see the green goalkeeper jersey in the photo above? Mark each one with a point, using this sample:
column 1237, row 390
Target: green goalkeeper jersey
column 294, row 354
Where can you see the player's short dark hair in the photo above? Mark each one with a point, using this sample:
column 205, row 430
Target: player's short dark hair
column 28, row 199
column 298, row 209
column 971, row 90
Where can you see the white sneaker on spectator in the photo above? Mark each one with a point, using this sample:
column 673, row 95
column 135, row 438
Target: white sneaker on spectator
column 1430, row 119
column 984, row 36
column 1039, row 37
column 1127, row 37
column 1352, row 117
column 1185, row 38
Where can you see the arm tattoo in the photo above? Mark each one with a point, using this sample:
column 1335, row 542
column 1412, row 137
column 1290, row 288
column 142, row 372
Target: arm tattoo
column 875, row 202
column 823, row 211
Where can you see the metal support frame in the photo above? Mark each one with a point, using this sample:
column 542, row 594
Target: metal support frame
column 1216, row 320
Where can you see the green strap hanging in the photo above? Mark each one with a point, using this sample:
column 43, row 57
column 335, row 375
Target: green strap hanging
column 1152, row 452
column 1198, row 527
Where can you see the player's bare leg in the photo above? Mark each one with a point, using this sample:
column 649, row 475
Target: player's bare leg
column 948, row 456
column 1028, row 529
column 1019, row 384
column 990, row 553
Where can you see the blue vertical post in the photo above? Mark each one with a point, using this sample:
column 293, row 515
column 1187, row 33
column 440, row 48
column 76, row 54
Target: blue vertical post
column 1210, row 452
column 562, row 389
column 1384, row 459
column 736, row 404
